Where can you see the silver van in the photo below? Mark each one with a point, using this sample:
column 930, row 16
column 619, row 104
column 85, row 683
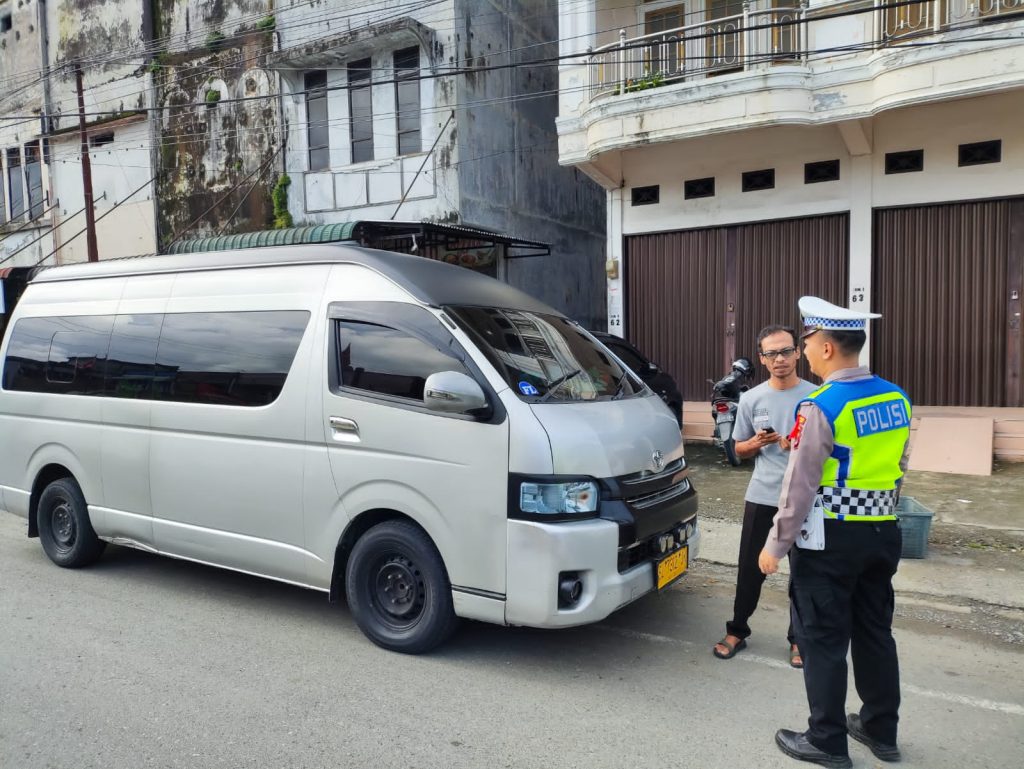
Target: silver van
column 428, row 441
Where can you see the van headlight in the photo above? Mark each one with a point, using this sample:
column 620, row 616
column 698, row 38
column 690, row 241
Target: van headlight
column 540, row 500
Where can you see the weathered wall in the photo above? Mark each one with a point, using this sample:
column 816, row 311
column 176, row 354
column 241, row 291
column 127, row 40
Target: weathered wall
column 218, row 139
column 509, row 177
column 19, row 65
column 101, row 38
column 21, row 94
column 107, row 39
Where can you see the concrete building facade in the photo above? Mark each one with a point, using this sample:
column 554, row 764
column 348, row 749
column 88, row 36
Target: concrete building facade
column 752, row 152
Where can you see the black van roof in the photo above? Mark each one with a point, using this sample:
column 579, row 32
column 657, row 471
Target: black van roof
column 428, row 280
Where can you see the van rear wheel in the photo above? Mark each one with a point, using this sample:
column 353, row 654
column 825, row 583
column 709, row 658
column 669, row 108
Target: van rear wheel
column 398, row 589
column 65, row 531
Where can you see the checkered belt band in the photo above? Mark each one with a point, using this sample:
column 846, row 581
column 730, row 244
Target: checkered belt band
column 858, row 504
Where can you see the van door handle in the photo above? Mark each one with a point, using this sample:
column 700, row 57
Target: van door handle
column 344, row 429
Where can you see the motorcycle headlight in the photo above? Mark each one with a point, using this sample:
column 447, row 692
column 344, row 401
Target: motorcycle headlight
column 539, row 500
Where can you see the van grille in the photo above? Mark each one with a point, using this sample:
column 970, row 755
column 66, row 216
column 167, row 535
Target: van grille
column 658, row 497
column 646, row 476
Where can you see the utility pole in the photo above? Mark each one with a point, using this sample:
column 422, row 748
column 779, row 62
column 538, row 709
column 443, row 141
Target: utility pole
column 90, row 217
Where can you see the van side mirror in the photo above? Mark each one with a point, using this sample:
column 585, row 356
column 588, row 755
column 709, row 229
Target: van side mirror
column 453, row 392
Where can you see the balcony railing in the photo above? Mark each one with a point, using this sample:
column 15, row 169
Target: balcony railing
column 929, row 16
column 707, row 48
column 756, row 39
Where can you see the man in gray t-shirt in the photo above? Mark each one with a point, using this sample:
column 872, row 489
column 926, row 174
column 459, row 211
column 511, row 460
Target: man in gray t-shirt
column 765, row 416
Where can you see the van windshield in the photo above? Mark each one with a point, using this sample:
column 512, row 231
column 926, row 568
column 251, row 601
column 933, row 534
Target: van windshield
column 545, row 357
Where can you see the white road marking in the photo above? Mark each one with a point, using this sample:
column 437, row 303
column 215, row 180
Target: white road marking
column 962, row 699
column 1010, row 708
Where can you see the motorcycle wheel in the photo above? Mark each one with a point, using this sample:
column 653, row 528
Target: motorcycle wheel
column 730, row 452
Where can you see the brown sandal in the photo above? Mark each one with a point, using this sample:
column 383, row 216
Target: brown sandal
column 740, row 646
column 796, row 659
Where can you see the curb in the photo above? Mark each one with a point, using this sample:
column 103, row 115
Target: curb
column 940, row 576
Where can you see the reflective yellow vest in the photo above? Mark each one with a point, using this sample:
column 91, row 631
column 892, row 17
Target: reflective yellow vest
column 870, row 421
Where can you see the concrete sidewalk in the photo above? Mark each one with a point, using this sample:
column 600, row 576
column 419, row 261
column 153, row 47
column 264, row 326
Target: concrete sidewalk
column 976, row 542
column 987, row 577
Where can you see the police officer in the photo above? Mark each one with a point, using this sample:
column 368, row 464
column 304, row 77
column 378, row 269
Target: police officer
column 849, row 447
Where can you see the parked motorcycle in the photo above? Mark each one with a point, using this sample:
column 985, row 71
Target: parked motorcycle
column 725, row 396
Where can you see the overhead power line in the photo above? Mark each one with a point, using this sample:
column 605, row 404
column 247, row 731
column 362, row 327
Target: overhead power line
column 106, row 213
column 35, row 240
column 464, row 70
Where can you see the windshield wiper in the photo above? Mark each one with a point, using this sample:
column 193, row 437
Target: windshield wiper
column 558, row 383
column 620, row 384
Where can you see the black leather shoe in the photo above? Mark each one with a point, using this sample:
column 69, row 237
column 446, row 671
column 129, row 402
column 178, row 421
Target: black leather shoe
column 795, row 745
column 882, row 751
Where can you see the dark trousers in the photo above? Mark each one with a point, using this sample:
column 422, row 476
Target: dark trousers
column 842, row 599
column 757, row 522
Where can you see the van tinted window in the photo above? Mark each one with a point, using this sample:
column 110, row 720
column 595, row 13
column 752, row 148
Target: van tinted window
column 58, row 355
column 228, row 358
column 387, row 361
column 131, row 362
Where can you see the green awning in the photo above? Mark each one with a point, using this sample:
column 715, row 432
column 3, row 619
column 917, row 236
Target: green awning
column 373, row 234
column 321, row 233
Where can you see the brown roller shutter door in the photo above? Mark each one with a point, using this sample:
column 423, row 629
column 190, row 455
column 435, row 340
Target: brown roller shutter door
column 697, row 298
column 945, row 278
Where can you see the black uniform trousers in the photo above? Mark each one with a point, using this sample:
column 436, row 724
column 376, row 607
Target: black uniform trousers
column 757, row 522
column 842, row 599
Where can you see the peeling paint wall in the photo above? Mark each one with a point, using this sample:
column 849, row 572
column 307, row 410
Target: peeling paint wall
column 21, row 94
column 509, row 175
column 218, row 136
column 107, row 39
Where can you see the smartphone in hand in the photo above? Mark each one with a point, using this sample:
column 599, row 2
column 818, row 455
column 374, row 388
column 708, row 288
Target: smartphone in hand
column 769, row 430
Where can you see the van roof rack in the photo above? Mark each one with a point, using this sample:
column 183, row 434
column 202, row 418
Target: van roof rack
column 403, row 237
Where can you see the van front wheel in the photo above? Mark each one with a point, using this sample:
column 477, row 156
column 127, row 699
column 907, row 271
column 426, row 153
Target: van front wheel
column 65, row 531
column 398, row 590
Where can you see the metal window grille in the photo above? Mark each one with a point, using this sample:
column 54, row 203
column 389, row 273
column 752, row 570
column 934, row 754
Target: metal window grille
column 821, row 171
column 699, row 188
column 907, row 162
column 754, row 181
column 646, row 196
column 980, row 153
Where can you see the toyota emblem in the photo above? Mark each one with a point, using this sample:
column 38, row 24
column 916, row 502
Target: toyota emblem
column 659, row 460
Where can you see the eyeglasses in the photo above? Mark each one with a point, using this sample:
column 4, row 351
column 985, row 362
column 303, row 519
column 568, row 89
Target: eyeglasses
column 785, row 352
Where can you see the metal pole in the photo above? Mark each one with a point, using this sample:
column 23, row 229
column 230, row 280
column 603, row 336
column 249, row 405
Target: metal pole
column 90, row 217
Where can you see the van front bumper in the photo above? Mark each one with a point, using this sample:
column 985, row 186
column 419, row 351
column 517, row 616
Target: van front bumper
column 539, row 553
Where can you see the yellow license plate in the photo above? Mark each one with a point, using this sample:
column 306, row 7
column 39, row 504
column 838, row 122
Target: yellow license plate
column 672, row 567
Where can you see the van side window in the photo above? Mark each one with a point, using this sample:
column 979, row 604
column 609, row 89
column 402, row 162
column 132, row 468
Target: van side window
column 227, row 358
column 384, row 360
column 58, row 355
column 131, row 361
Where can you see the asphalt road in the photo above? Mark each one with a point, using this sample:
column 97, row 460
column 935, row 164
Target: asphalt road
column 143, row 661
